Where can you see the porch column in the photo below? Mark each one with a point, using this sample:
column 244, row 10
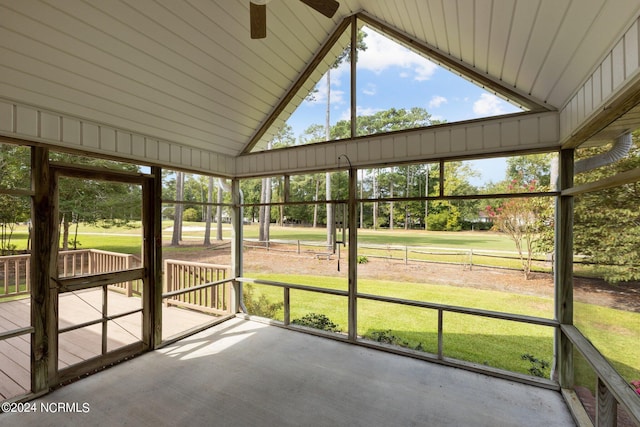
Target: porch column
column 236, row 243
column 353, row 255
column 42, row 310
column 152, row 254
column 563, row 271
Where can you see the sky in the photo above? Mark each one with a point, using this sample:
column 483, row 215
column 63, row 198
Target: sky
column 390, row 75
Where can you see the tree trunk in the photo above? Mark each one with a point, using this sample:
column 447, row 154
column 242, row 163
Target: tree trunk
column 391, row 207
column 315, row 199
column 265, row 210
column 406, row 194
column 261, row 210
column 330, row 219
column 426, row 202
column 178, row 209
column 65, row 233
column 330, row 213
column 375, row 196
column 207, row 228
column 361, row 204
column 219, row 214
column 281, row 207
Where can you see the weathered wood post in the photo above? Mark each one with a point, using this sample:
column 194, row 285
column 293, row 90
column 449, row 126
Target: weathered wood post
column 353, row 256
column 236, row 244
column 563, row 271
column 152, row 259
column 42, row 302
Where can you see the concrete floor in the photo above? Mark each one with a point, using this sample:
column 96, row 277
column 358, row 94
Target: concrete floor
column 243, row 373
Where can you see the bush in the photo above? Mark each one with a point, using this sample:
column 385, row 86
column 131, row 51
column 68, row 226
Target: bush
column 190, row 215
column 317, row 321
column 362, row 259
column 386, row 337
column 260, row 306
column 538, row 367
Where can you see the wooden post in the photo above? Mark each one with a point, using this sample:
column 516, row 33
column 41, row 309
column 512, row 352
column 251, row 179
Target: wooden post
column 606, row 407
column 42, row 311
column 353, row 255
column 152, row 260
column 440, row 331
column 287, row 305
column 236, row 244
column 563, row 272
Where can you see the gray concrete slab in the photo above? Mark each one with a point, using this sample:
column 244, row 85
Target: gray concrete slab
column 243, row 373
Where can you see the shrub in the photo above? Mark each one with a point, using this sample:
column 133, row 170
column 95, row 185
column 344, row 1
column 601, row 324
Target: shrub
column 260, row 306
column 362, row 259
column 386, row 337
column 191, row 215
column 317, row 321
column 538, row 367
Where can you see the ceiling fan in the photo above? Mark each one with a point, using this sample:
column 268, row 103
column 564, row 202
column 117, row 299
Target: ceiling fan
column 258, row 13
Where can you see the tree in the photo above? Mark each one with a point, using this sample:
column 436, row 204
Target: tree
column 607, row 222
column 94, row 201
column 344, row 56
column 284, row 138
column 446, row 215
column 14, row 173
column 524, row 220
column 530, row 168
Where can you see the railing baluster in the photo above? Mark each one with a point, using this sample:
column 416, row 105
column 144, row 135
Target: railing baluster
column 287, row 308
column 606, row 407
column 440, row 331
column 5, row 278
column 184, row 275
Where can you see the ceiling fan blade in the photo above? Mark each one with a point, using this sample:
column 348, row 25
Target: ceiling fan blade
column 258, row 20
column 326, row 7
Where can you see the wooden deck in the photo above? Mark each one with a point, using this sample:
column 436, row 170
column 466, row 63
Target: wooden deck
column 82, row 344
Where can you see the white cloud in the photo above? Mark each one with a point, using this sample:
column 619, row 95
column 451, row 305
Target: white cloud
column 383, row 53
column 360, row 111
column 370, row 90
column 488, row 105
column 437, row 101
column 320, row 97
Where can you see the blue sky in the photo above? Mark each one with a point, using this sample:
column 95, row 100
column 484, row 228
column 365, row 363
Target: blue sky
column 390, row 75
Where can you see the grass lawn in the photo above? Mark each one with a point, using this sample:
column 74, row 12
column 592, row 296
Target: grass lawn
column 486, row 341
column 496, row 343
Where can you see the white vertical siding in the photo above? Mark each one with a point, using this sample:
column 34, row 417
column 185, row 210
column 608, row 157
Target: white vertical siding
column 498, row 135
column 38, row 125
column 619, row 68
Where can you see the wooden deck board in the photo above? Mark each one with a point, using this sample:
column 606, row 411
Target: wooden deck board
column 82, row 344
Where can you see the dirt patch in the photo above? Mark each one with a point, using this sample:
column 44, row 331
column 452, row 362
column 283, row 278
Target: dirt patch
column 285, row 260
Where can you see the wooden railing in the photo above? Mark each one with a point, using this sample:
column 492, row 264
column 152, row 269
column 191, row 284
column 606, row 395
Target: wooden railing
column 15, row 272
column 14, row 275
column 611, row 389
column 95, row 261
column 197, row 286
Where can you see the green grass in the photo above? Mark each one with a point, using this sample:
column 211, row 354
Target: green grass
column 615, row 333
column 492, row 342
column 476, row 240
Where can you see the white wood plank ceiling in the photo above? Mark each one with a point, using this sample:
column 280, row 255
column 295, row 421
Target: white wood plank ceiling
column 187, row 71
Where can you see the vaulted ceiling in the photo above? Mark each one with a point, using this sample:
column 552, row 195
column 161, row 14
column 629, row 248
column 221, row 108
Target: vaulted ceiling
column 187, row 70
